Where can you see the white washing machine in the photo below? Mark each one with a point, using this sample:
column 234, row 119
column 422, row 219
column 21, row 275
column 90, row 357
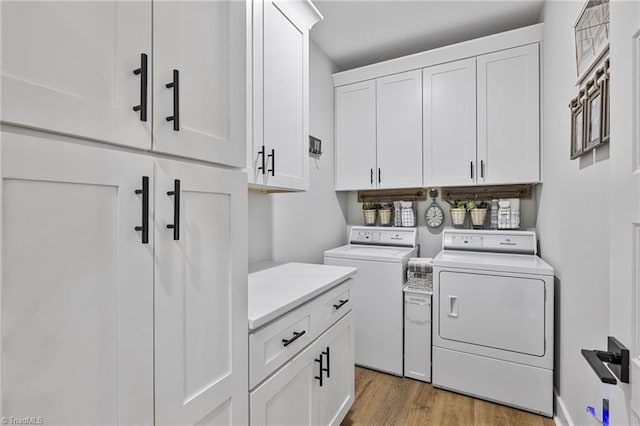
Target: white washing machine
column 381, row 255
column 493, row 318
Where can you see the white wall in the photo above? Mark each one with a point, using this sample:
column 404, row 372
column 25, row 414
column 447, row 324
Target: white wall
column 574, row 234
column 300, row 226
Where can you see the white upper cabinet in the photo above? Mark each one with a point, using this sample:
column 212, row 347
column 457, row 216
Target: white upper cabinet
column 356, row 136
column 77, row 283
column 399, row 130
column 450, row 123
column 68, row 67
column 199, row 50
column 279, row 149
column 509, row 116
column 379, row 133
column 200, row 297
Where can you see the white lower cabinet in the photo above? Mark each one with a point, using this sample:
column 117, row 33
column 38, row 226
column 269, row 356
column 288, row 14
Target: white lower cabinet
column 104, row 319
column 316, row 387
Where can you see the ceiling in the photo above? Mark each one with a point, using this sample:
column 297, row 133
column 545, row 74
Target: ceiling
column 361, row 32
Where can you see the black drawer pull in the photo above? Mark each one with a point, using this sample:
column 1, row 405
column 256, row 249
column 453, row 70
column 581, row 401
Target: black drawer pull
column 482, row 169
column 371, row 176
column 176, row 209
column 341, row 304
column 379, row 175
column 471, row 168
column 142, row 71
column 262, row 159
column 296, row 336
column 145, row 210
column 328, row 369
column 175, row 84
column 319, row 377
column 273, row 162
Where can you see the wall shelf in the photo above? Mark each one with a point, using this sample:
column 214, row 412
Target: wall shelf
column 391, row 195
column 485, row 193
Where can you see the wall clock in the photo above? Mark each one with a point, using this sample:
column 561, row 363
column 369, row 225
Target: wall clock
column 434, row 216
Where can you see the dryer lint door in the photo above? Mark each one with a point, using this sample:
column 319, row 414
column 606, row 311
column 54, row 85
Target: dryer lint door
column 493, row 311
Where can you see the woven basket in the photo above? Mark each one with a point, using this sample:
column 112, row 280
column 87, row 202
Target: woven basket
column 369, row 217
column 385, row 217
column 477, row 217
column 458, row 216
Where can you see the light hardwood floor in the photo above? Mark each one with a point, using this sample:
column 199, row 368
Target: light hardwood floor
column 382, row 399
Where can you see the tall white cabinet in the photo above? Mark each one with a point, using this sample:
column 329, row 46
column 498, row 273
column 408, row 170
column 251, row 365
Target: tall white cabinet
column 124, row 273
column 279, row 155
column 77, row 284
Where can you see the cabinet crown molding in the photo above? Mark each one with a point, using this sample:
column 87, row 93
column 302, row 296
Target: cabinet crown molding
column 466, row 49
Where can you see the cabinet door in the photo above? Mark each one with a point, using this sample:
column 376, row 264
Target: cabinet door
column 67, row 67
column 449, row 96
column 399, row 130
column 356, row 136
column 281, row 91
column 336, row 396
column 509, row 116
column 201, row 354
column 289, row 397
column 204, row 41
column 77, row 284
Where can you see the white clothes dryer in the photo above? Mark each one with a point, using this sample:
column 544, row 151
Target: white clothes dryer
column 493, row 318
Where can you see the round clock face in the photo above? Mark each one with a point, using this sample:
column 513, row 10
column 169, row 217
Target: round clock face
column 434, row 216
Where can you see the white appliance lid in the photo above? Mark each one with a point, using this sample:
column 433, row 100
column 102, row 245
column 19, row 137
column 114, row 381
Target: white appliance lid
column 383, row 236
column 498, row 262
column 372, row 252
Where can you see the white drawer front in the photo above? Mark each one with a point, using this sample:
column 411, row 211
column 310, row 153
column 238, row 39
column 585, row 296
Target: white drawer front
column 267, row 350
column 333, row 305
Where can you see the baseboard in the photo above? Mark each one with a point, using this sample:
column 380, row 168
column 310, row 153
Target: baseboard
column 561, row 417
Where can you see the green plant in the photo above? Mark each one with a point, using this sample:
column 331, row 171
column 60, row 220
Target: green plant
column 370, row 206
column 477, row 205
column 457, row 204
column 387, row 206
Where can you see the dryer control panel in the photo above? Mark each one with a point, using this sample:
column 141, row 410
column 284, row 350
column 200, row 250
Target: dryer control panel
column 516, row 242
column 383, row 236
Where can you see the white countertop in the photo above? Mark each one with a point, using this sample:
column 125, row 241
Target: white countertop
column 277, row 290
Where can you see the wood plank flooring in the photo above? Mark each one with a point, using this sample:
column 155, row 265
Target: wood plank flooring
column 382, row 399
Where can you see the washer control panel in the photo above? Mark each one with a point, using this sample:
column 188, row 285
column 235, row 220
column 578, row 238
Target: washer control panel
column 398, row 237
column 517, row 242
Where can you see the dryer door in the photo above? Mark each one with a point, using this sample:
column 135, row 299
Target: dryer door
column 493, row 311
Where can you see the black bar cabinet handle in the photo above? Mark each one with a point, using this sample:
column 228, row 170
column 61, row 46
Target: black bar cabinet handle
column 379, row 175
column 471, row 167
column 176, row 209
column 142, row 71
column 272, row 170
column 328, row 369
column 371, row 176
column 482, row 169
column 175, row 84
column 262, row 159
column 145, row 210
column 340, row 304
column 319, row 376
column 296, row 336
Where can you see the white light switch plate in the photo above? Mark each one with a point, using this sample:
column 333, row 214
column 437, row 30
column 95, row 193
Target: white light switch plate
column 635, row 385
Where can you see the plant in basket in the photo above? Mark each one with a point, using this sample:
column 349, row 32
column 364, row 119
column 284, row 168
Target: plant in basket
column 458, row 212
column 370, row 211
column 478, row 211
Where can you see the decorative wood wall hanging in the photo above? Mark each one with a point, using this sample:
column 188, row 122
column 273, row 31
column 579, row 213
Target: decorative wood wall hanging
column 590, row 113
column 591, row 32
